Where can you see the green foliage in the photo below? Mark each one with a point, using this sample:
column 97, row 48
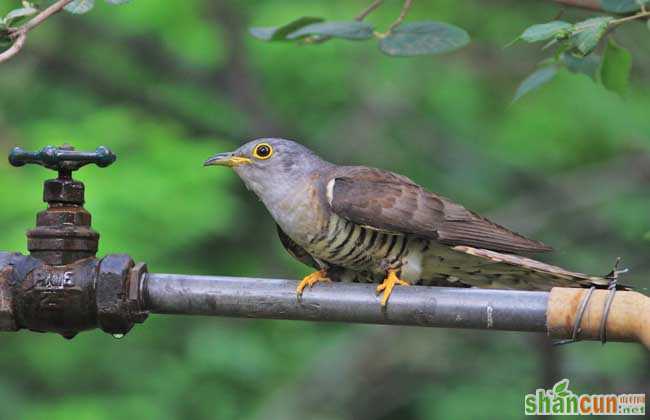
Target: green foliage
column 586, row 35
column 418, row 38
column 622, row 6
column 582, row 37
column 576, row 44
column 615, row 69
column 612, row 70
column 17, row 14
column 588, row 65
column 79, row 7
column 538, row 78
column 281, row 33
column 13, row 18
column 544, row 31
column 402, row 39
column 352, row 30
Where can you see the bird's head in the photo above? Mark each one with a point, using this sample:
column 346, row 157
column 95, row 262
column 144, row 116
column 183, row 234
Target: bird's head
column 267, row 165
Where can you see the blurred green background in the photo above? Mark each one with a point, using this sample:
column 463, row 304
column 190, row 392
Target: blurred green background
column 167, row 84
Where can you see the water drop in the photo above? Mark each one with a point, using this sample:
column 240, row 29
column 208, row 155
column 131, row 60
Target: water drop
column 118, row 336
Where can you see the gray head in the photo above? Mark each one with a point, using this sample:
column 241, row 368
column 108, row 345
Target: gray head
column 269, row 165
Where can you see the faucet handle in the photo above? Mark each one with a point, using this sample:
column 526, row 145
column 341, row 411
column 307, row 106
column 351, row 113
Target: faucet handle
column 63, row 159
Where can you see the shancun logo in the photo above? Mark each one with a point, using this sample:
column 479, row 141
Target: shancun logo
column 562, row 401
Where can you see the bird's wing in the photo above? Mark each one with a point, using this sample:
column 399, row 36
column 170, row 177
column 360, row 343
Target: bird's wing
column 295, row 250
column 393, row 203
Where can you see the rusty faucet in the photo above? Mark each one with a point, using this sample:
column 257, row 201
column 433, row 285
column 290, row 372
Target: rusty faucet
column 61, row 286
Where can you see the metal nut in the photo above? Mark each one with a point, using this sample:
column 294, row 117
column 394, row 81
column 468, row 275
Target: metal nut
column 113, row 312
column 63, row 191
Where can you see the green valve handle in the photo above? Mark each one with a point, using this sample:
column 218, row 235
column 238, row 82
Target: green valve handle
column 63, row 159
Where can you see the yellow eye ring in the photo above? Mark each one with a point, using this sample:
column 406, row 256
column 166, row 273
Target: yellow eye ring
column 263, row 151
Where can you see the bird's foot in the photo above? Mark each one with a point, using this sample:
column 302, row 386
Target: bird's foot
column 311, row 280
column 391, row 280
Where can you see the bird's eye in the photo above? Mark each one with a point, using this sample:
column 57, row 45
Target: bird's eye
column 263, row 151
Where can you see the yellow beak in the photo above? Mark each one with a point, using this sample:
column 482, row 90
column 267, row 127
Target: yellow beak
column 226, row 159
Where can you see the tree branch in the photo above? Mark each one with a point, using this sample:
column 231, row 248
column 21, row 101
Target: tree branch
column 20, row 34
column 643, row 14
column 402, row 15
column 18, row 45
column 375, row 4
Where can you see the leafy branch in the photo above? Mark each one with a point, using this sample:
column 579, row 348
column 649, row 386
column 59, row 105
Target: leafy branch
column 18, row 36
column 576, row 44
column 13, row 38
column 400, row 39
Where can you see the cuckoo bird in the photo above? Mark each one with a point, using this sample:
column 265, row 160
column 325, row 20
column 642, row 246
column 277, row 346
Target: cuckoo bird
column 357, row 223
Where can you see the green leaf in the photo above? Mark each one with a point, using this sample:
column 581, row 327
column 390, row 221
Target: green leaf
column 117, row 1
column 538, row 78
column 19, row 13
column 588, row 65
column 615, row 70
column 352, row 30
column 419, row 38
column 622, row 6
column 280, row 33
column 544, row 31
column 587, row 34
column 79, row 7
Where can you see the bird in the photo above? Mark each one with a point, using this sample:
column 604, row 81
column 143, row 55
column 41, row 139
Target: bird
column 358, row 223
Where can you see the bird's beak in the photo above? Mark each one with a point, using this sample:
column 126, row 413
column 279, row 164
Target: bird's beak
column 226, row 159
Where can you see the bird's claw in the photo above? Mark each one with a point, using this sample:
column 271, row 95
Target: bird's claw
column 388, row 284
column 311, row 280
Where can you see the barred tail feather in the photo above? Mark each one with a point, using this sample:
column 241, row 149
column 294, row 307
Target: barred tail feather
column 490, row 269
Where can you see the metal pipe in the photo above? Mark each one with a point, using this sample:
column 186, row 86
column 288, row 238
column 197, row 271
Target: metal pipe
column 345, row 302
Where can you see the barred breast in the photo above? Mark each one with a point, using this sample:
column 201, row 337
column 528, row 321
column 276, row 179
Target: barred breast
column 356, row 247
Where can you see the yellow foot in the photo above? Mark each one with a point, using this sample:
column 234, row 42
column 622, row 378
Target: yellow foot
column 311, row 280
column 387, row 286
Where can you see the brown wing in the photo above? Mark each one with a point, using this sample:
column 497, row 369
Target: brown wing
column 389, row 202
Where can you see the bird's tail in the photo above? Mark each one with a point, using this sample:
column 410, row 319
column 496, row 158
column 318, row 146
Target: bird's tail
column 489, row 269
